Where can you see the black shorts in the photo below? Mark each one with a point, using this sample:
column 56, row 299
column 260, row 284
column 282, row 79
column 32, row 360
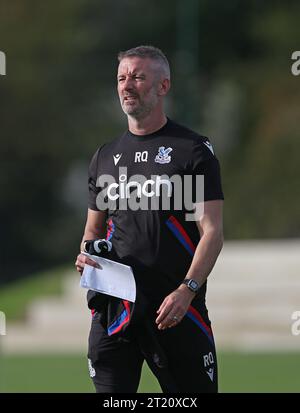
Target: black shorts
column 115, row 365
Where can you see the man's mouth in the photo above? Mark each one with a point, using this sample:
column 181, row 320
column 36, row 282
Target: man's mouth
column 129, row 98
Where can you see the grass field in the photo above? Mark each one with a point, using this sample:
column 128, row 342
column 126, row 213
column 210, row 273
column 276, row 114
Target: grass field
column 65, row 373
column 237, row 373
column 17, row 296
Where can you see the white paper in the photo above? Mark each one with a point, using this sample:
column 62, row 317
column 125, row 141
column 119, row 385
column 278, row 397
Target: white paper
column 112, row 278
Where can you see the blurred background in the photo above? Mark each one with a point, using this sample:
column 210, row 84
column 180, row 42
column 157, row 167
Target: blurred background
column 231, row 81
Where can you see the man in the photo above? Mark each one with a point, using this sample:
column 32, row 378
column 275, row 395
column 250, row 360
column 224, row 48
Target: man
column 171, row 255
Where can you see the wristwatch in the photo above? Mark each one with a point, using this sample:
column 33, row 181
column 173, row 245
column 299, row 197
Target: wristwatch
column 191, row 284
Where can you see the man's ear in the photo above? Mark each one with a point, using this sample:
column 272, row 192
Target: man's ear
column 163, row 87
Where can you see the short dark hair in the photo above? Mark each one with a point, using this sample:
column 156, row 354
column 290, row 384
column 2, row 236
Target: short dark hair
column 150, row 52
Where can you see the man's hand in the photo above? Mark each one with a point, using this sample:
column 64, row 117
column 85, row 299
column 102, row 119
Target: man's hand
column 95, row 228
column 82, row 260
column 174, row 307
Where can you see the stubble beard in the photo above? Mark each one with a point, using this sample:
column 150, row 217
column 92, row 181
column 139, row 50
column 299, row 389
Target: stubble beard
column 140, row 109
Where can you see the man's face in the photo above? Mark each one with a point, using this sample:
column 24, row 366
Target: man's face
column 137, row 86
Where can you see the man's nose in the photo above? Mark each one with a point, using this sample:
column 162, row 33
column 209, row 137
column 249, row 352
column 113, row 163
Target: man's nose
column 128, row 84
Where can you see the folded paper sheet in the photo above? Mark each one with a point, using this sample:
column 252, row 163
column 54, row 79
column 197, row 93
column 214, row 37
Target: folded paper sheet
column 112, row 278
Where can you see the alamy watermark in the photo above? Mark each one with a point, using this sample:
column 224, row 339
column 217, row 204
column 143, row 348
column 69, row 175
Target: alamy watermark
column 160, row 192
column 295, row 68
column 2, row 324
column 2, row 64
column 296, row 323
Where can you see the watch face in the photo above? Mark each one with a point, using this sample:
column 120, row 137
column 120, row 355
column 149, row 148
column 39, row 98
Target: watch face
column 193, row 285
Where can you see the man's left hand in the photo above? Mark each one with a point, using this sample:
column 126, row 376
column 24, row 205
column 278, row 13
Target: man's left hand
column 174, row 307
